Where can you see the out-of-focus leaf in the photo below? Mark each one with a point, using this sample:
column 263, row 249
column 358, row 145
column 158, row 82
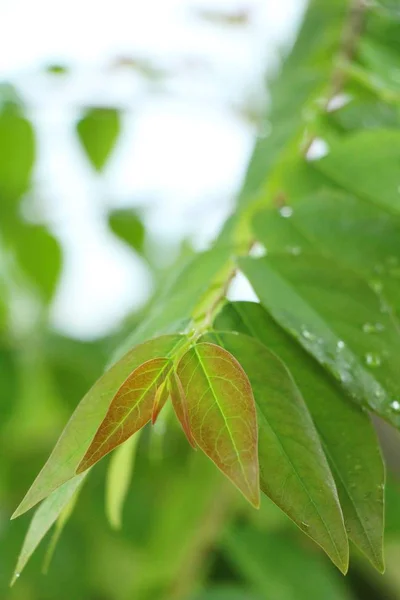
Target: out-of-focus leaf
column 278, row 567
column 294, row 471
column 98, row 131
column 128, row 226
column 129, row 411
column 346, row 433
column 173, row 308
column 17, row 155
column 355, row 163
column 9, row 381
column 61, row 522
column 326, row 307
column 179, row 402
column 45, row 516
column 118, row 479
column 39, row 254
column 222, row 414
column 82, row 426
column 57, row 69
column 226, row 592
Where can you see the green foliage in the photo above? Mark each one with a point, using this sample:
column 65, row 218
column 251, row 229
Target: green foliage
column 98, row 131
column 277, row 393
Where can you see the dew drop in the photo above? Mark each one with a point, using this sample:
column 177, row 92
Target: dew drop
column 372, row 359
column 17, row 575
column 308, row 335
column 395, row 405
column 286, row 211
column 373, row 327
column 305, row 525
column 340, row 345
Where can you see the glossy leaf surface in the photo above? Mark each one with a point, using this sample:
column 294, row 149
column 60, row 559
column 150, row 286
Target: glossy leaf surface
column 347, row 436
column 294, row 471
column 82, row 426
column 326, row 307
column 160, row 399
column 222, row 414
column 130, row 409
column 179, row 402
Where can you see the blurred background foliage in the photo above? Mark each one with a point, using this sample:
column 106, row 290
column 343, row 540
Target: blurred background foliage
column 186, row 534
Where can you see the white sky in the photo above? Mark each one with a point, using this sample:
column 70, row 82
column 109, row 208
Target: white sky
column 184, row 148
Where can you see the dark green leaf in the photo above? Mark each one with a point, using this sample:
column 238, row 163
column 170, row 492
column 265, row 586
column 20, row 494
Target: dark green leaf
column 346, row 433
column 98, row 131
column 327, row 308
column 294, row 471
column 82, row 426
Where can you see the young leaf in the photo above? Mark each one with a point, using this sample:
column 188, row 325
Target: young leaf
column 82, row 426
column 294, row 471
column 179, row 402
column 45, row 516
column 160, row 399
column 128, row 227
column 130, row 409
column 327, row 309
column 222, row 414
column 118, row 478
column 98, row 132
column 348, row 438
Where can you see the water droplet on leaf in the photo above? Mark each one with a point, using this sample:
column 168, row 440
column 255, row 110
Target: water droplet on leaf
column 395, row 405
column 372, row 359
column 373, row 327
column 286, row 211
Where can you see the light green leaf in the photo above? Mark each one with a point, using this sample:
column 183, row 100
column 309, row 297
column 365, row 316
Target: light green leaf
column 326, row 308
column 98, row 131
column 119, row 476
column 128, row 227
column 347, row 436
column 130, row 409
column 294, row 471
column 367, row 164
column 82, row 426
column 61, row 522
column 222, row 414
column 44, row 517
column 17, row 154
column 277, row 566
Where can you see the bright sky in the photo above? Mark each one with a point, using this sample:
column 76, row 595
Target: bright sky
column 184, row 148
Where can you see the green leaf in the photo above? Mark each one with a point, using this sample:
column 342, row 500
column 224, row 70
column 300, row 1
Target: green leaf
column 347, row 436
column 128, row 227
column 61, row 522
column 367, row 164
column 82, row 426
column 98, row 131
column 354, row 233
column 45, row 516
column 222, row 414
column 118, row 479
column 130, row 409
column 294, row 471
column 326, row 308
column 277, row 566
column 39, row 254
column 17, row 154
column 226, row 592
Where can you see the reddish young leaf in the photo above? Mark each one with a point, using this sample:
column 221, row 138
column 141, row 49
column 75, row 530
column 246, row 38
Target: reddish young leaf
column 130, row 409
column 160, row 399
column 179, row 402
column 222, row 414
